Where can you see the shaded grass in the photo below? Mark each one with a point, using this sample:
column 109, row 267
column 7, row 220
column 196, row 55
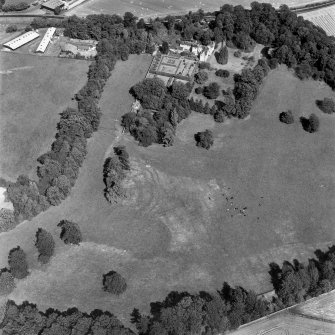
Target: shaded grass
column 34, row 91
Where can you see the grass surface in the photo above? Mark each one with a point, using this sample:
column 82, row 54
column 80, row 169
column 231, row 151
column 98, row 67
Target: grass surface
column 193, row 218
column 145, row 8
column 34, row 90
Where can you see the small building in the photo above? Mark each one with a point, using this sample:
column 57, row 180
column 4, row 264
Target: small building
column 53, row 4
column 46, row 40
column 21, row 40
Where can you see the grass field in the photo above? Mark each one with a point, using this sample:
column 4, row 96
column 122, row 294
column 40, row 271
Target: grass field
column 34, row 90
column 147, row 8
column 193, row 218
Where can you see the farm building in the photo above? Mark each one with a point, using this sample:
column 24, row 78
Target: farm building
column 21, row 40
column 53, row 4
column 84, row 48
column 198, row 50
column 46, row 40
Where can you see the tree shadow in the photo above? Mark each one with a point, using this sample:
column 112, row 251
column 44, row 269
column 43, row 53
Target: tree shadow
column 305, row 123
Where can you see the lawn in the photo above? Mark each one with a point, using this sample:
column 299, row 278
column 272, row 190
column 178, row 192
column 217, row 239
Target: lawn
column 34, row 91
column 193, row 218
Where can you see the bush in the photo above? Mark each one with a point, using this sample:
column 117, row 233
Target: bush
column 199, row 90
column 165, row 48
column 286, row 117
column 219, row 116
column 204, row 66
column 222, row 56
column 273, row 63
column 222, row 73
column 212, row 91
column 311, row 124
column 204, row 139
column 114, row 283
column 70, row 233
column 327, row 105
column 238, row 54
column 7, row 284
column 45, row 245
column 17, row 263
column 15, row 7
column 12, row 28
column 201, row 77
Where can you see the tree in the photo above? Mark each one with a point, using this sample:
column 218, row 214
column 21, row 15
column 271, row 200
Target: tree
column 286, row 117
column 204, row 139
column 45, row 245
column 212, row 91
column 244, row 42
column 70, row 233
column 7, row 284
column 12, row 28
column 222, row 73
column 219, row 116
column 222, row 56
column 311, row 124
column 18, row 263
column 327, row 105
column 57, row 10
column 199, row 90
column 165, row 48
column 114, row 283
column 129, row 19
column 201, row 77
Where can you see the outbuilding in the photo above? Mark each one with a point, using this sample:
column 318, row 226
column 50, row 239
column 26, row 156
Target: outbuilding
column 53, row 4
column 46, row 40
column 21, row 40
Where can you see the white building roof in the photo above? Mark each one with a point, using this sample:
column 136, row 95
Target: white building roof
column 53, row 4
column 21, row 40
column 46, row 39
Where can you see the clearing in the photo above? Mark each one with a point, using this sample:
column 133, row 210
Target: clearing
column 194, row 218
column 34, row 90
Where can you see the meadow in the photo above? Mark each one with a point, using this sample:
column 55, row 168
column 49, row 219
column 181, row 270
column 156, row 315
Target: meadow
column 34, row 90
column 147, row 8
column 193, row 218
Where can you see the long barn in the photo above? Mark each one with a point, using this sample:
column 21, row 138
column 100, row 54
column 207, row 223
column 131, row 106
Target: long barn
column 21, row 40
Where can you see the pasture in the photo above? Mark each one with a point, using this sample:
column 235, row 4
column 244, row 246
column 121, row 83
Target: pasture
column 324, row 18
column 34, row 90
column 148, row 8
column 193, row 218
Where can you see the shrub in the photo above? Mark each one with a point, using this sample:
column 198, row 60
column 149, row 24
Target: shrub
column 70, row 233
column 204, row 66
column 204, row 139
column 199, row 90
column 222, row 73
column 219, row 116
column 222, row 56
column 212, row 91
column 45, row 245
column 15, row 7
column 17, row 263
column 7, row 284
column 165, row 48
column 273, row 63
column 286, row 117
column 201, row 77
column 327, row 105
column 311, row 124
column 12, row 28
column 114, row 283
column 238, row 53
